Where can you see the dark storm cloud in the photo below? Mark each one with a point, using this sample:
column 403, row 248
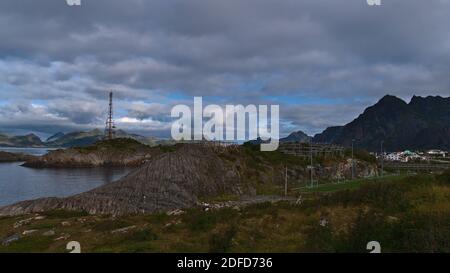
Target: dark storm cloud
column 151, row 53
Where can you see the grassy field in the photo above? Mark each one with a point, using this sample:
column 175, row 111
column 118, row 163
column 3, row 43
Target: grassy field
column 403, row 213
column 351, row 184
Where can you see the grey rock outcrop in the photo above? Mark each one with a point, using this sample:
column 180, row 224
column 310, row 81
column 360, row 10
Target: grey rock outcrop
column 14, row 157
column 117, row 152
column 170, row 181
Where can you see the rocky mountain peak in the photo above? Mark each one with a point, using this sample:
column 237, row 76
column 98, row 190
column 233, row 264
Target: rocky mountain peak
column 424, row 123
column 299, row 136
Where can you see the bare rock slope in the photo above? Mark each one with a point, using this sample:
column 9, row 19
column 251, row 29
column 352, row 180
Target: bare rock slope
column 169, row 181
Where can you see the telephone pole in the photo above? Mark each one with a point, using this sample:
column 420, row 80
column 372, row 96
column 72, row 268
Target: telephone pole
column 311, row 162
column 109, row 129
column 353, row 163
column 286, row 182
column 382, row 159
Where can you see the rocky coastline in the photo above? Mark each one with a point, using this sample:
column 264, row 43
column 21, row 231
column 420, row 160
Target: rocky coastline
column 114, row 153
column 181, row 178
column 6, row 157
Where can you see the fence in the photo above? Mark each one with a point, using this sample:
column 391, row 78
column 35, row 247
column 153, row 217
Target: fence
column 308, row 149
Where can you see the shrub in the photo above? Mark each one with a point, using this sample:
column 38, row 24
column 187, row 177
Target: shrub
column 198, row 220
column 368, row 226
column 445, row 177
column 109, row 225
column 143, row 236
column 319, row 238
column 384, row 195
column 221, row 240
column 64, row 214
column 361, row 155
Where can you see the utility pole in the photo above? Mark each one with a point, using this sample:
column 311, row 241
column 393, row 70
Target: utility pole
column 109, row 129
column 353, row 163
column 311, row 159
column 286, row 182
column 382, row 159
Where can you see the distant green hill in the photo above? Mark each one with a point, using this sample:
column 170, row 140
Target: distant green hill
column 74, row 139
column 81, row 139
column 30, row 140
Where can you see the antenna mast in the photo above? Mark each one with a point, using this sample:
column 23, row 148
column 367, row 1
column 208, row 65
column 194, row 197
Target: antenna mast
column 109, row 129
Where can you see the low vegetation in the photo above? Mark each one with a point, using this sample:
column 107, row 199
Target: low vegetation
column 361, row 155
column 403, row 213
column 117, row 144
column 278, row 158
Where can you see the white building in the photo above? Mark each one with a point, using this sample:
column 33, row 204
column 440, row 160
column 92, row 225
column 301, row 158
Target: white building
column 393, row 157
column 405, row 156
column 436, row 153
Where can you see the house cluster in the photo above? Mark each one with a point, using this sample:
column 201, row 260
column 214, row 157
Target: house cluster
column 409, row 156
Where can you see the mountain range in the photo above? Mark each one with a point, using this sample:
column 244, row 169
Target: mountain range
column 74, row 139
column 298, row 136
column 423, row 123
column 30, row 140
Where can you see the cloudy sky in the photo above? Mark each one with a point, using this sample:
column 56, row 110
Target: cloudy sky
column 322, row 61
